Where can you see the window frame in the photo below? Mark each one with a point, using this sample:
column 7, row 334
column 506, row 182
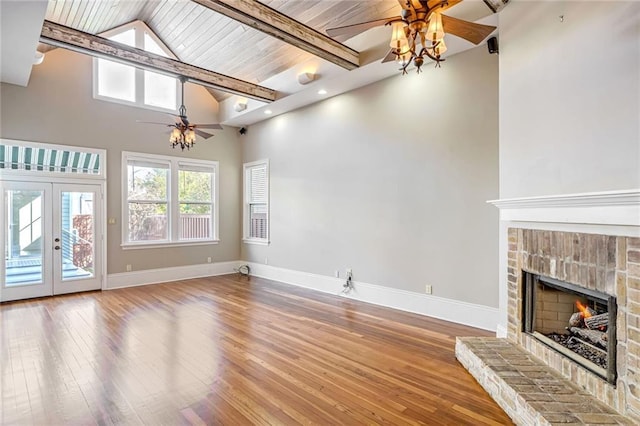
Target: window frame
column 246, row 205
column 173, row 201
column 140, row 29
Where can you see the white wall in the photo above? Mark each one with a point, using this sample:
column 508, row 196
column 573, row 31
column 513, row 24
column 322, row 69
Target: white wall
column 58, row 107
column 390, row 180
column 569, row 97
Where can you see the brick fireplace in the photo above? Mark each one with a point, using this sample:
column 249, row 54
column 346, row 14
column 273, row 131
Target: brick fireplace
column 606, row 265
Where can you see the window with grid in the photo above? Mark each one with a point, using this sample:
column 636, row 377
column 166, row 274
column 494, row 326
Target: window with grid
column 256, row 205
column 168, row 200
column 147, row 200
column 195, row 195
column 123, row 83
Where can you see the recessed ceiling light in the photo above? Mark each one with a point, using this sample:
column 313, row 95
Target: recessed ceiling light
column 322, row 92
column 268, row 111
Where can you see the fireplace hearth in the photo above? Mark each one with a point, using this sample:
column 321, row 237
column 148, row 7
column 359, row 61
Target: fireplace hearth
column 578, row 323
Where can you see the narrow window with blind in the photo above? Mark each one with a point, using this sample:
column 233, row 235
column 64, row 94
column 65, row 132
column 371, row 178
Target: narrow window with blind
column 256, row 202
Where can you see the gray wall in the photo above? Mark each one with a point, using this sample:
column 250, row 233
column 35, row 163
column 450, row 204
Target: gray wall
column 569, row 97
column 58, row 107
column 390, row 180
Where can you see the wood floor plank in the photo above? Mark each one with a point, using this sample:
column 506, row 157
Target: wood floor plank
column 230, row 350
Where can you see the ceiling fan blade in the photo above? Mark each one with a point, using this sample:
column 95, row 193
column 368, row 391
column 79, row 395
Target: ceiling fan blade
column 174, row 116
column 469, row 31
column 203, row 134
column 416, row 4
column 390, row 57
column 355, row 29
column 207, row 126
column 403, row 4
column 153, row 122
column 440, row 5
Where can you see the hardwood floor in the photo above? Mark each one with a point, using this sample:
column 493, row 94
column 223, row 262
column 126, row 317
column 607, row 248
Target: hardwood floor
column 228, row 350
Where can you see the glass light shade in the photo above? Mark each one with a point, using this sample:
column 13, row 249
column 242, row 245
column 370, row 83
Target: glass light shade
column 435, row 31
column 190, row 136
column 402, row 48
column 440, row 48
column 175, row 136
column 398, row 36
column 404, row 58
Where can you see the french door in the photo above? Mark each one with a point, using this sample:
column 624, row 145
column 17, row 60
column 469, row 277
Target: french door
column 51, row 239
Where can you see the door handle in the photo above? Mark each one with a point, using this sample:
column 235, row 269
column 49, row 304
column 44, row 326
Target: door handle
column 57, row 247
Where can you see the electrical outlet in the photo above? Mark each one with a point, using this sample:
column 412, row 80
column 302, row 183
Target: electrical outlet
column 128, row 268
column 337, row 273
column 349, row 273
column 266, row 260
column 428, row 289
column 208, row 259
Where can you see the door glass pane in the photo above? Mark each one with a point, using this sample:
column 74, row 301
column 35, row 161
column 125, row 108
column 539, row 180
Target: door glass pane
column 77, row 235
column 23, row 245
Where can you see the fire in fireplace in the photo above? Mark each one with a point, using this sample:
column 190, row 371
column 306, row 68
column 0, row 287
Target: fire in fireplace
column 577, row 322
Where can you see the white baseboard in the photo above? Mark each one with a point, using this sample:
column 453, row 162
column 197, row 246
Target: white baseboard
column 479, row 316
column 501, row 331
column 162, row 275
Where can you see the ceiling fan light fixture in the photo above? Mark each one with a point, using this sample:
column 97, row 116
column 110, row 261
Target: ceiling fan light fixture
column 435, row 31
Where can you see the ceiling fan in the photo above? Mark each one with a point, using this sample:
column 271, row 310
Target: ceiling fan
column 419, row 31
column 184, row 132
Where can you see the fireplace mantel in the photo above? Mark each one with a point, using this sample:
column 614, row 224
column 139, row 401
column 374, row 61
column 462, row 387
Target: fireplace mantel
column 616, row 208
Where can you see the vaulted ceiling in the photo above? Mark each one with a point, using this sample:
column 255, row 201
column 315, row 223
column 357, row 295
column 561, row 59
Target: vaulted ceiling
column 204, row 38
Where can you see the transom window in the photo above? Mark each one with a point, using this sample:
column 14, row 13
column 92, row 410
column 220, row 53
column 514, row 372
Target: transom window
column 168, row 200
column 122, row 83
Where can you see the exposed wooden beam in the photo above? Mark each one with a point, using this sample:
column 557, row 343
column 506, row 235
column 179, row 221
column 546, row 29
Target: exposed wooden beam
column 72, row 39
column 263, row 18
column 496, row 5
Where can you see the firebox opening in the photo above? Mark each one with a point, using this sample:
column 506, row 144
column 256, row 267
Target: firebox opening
column 577, row 322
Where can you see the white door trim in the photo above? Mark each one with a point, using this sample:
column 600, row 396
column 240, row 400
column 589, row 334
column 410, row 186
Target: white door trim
column 100, row 228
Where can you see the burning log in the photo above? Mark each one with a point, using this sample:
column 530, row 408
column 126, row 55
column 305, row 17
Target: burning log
column 597, row 322
column 575, row 320
column 597, row 337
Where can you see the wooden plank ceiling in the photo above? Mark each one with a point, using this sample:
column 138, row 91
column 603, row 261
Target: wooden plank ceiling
column 204, row 38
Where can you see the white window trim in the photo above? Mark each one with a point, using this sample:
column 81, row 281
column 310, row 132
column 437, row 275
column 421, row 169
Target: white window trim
column 173, row 211
column 245, row 205
column 141, row 28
